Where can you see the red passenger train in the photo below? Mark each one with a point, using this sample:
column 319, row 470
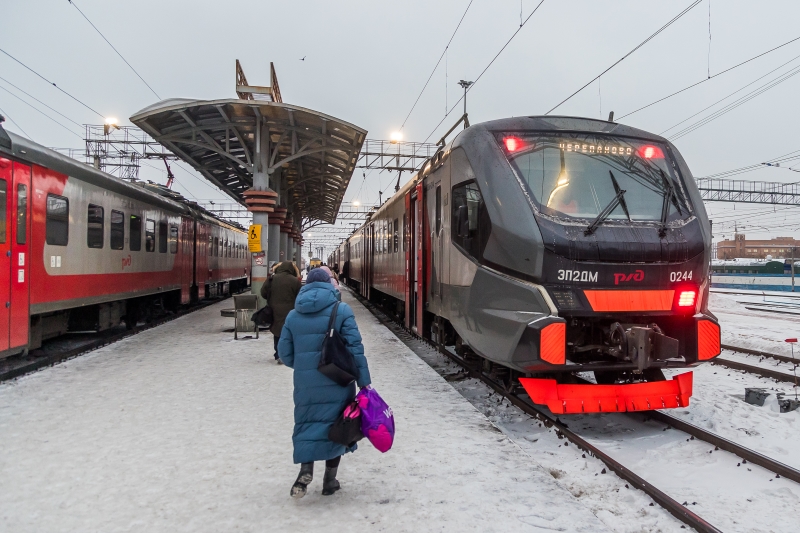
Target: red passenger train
column 82, row 250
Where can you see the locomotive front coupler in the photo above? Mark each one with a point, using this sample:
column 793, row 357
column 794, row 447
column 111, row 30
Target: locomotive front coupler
column 641, row 344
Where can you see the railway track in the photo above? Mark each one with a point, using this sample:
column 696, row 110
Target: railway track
column 521, row 401
column 758, row 370
column 15, row 367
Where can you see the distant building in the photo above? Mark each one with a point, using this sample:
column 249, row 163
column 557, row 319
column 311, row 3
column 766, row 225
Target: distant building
column 741, row 247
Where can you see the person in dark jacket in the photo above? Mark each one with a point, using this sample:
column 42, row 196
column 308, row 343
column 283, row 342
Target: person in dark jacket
column 318, row 401
column 280, row 292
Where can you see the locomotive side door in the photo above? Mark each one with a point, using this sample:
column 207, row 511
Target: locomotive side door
column 20, row 258
column 5, row 251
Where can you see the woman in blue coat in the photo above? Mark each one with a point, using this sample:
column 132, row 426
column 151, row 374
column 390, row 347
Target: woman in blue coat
column 318, row 401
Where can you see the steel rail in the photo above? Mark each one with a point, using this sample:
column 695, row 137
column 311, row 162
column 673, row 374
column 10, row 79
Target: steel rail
column 15, row 371
column 729, row 446
column 671, row 505
column 751, row 369
column 783, row 358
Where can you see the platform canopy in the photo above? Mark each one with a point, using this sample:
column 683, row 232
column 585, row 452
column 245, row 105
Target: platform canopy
column 309, row 155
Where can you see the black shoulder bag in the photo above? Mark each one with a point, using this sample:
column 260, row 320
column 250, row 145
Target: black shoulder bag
column 336, row 361
column 264, row 317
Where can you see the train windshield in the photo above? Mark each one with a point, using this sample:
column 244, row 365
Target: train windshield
column 585, row 176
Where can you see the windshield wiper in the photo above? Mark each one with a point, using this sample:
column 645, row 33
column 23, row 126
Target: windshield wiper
column 669, row 196
column 618, row 200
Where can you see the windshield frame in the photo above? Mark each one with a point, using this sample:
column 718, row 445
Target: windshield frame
column 675, row 176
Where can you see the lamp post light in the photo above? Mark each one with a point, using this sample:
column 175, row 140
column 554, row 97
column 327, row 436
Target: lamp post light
column 110, row 123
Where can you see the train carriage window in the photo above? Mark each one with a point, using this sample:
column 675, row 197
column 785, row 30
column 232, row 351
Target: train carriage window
column 117, row 230
column 173, row 239
column 22, row 214
column 396, row 235
column 162, row 237
column 150, row 235
column 403, row 235
column 470, row 225
column 216, row 246
column 136, row 234
column 210, row 245
column 94, row 228
column 438, row 209
column 57, row 225
column 389, row 237
column 3, row 193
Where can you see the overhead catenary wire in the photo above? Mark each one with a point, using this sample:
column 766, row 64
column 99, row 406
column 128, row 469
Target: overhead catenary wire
column 42, row 112
column 483, row 71
column 736, row 103
column 749, row 168
column 113, row 48
column 6, row 115
column 478, row 78
column 709, row 78
column 437, row 65
column 53, row 84
column 47, row 106
column 620, row 60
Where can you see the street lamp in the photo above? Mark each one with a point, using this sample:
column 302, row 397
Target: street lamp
column 396, row 137
column 111, row 122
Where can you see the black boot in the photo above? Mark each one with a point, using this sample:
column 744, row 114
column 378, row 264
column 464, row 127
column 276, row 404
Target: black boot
column 329, row 483
column 303, row 479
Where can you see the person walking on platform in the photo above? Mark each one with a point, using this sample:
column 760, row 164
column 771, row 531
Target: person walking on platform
column 318, row 401
column 334, row 281
column 280, row 292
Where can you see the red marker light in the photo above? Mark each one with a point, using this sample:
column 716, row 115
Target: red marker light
column 512, row 144
column 650, row 152
column 791, row 340
column 686, row 298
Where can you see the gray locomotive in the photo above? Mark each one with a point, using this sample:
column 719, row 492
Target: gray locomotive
column 550, row 246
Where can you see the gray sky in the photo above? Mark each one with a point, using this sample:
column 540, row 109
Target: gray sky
column 366, row 62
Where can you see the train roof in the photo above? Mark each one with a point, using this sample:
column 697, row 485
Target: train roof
column 149, row 192
column 563, row 123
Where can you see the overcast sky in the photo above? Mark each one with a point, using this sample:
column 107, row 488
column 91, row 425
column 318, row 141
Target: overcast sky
column 366, row 62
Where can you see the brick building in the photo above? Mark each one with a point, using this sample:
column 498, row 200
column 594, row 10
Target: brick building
column 741, row 247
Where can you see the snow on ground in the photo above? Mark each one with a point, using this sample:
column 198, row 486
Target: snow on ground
column 718, row 405
column 620, row 507
column 181, row 428
column 743, row 498
column 756, row 330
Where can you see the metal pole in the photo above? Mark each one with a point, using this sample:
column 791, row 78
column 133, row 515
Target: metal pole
column 792, row 267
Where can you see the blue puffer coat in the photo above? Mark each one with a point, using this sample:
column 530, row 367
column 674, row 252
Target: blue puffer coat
column 318, row 401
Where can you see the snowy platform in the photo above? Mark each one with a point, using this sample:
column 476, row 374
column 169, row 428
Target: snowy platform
column 181, row 428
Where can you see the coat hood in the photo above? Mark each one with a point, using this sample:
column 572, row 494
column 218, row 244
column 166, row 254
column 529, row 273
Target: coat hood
column 286, row 267
column 315, row 297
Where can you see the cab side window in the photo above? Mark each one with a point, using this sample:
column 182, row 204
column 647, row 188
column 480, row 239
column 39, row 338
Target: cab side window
column 150, row 235
column 136, row 233
column 162, row 237
column 94, row 228
column 57, row 220
column 173, row 239
column 470, row 224
column 117, row 230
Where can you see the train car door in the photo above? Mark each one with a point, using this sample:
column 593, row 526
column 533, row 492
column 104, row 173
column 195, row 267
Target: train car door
column 19, row 319
column 5, row 251
column 416, row 222
column 186, row 249
column 408, row 250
